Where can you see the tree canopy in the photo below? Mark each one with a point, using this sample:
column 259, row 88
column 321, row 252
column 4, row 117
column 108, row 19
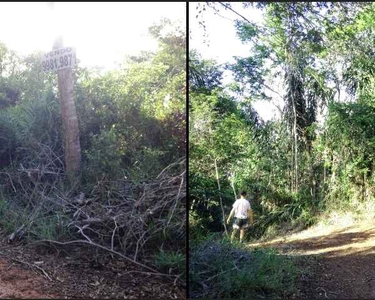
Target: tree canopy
column 317, row 156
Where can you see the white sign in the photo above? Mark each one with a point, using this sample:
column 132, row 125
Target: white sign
column 59, row 59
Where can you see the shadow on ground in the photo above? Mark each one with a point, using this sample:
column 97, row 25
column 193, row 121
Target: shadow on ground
column 338, row 264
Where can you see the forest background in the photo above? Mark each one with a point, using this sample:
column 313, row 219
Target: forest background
column 312, row 161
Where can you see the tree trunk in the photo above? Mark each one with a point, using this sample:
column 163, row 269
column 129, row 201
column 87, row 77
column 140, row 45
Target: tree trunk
column 221, row 200
column 233, row 187
column 72, row 147
column 295, row 145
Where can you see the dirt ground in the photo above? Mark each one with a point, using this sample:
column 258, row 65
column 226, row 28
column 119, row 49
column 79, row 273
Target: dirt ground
column 336, row 261
column 34, row 272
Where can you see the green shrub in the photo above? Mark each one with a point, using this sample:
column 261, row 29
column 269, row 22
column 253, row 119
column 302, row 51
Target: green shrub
column 8, row 216
column 147, row 164
column 171, row 262
column 104, row 157
column 197, row 229
column 219, row 270
column 52, row 227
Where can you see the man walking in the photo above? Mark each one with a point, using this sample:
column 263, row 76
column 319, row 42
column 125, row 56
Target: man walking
column 242, row 213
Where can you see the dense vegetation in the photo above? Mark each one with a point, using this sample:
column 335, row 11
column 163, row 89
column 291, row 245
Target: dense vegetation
column 317, row 158
column 129, row 198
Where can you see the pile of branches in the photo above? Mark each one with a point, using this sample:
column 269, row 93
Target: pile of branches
column 135, row 213
column 123, row 217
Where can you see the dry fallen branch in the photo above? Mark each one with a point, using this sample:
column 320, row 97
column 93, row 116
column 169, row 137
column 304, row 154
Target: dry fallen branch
column 19, row 232
column 122, row 217
column 152, row 271
column 33, row 266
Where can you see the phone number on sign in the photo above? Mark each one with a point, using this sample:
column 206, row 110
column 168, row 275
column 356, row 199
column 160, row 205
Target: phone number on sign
column 58, row 63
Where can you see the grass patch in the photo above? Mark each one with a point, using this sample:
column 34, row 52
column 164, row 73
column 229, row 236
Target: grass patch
column 53, row 227
column 219, row 270
column 9, row 217
column 172, row 262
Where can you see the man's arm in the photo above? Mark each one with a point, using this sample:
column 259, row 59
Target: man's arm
column 230, row 215
column 250, row 212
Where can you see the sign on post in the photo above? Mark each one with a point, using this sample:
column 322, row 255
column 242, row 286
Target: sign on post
column 59, row 59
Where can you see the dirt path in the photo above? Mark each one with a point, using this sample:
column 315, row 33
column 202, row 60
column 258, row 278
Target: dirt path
column 34, row 272
column 16, row 282
column 336, row 261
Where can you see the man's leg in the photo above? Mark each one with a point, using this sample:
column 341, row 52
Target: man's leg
column 233, row 234
column 242, row 233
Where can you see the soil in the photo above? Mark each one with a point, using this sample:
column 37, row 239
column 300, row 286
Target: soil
column 336, row 261
column 32, row 271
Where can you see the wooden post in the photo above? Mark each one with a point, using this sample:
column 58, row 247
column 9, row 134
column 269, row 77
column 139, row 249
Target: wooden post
column 72, row 147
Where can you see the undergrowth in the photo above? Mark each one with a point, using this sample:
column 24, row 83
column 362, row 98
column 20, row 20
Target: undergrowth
column 220, row 270
column 171, row 262
column 142, row 220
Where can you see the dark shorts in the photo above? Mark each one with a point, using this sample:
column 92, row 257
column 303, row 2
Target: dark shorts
column 240, row 223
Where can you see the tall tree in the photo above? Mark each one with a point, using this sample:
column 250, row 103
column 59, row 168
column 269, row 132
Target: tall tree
column 72, row 146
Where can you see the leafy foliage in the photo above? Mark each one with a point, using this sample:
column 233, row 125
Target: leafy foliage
column 132, row 123
column 318, row 156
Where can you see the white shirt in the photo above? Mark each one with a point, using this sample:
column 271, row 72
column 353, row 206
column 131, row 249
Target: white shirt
column 241, row 208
